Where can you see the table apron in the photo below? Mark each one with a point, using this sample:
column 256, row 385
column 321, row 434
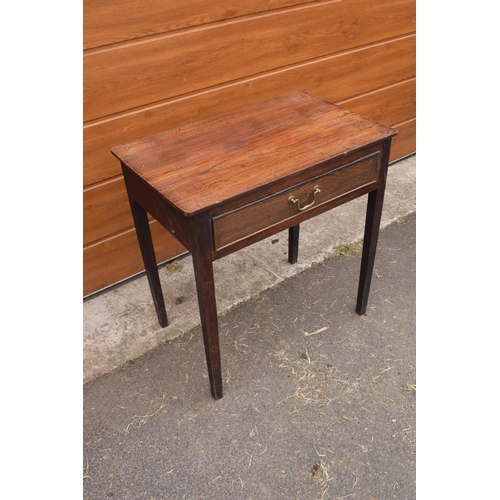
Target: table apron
column 293, row 221
column 297, row 203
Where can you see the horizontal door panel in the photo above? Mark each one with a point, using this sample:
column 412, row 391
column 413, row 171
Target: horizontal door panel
column 405, row 142
column 135, row 74
column 393, row 104
column 334, row 78
column 106, row 210
column 106, row 22
column 119, row 257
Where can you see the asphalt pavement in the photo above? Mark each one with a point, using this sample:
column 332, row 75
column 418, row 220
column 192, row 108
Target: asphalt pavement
column 319, row 402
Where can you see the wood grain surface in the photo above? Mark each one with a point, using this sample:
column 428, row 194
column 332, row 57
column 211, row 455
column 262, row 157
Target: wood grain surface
column 209, row 162
column 109, row 22
column 139, row 73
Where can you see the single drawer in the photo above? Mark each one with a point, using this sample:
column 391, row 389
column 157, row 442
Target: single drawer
column 315, row 192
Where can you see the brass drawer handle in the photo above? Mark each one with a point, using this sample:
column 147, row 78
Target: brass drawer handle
column 296, row 201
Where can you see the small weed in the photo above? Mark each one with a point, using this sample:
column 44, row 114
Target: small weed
column 410, row 387
column 127, row 365
column 319, row 470
column 86, row 471
column 173, row 267
column 347, row 249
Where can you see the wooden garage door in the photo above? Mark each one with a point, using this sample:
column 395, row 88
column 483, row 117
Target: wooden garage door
column 150, row 65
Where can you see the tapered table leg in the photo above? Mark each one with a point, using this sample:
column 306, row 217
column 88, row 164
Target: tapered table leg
column 148, row 256
column 205, row 286
column 372, row 228
column 293, row 244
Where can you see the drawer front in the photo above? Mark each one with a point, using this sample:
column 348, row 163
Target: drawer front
column 262, row 214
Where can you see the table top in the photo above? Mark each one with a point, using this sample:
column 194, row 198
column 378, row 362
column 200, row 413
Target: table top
column 201, row 165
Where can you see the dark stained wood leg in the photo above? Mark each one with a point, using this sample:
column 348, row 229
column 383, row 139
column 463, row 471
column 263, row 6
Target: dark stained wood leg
column 205, row 286
column 148, row 256
column 293, row 244
column 372, row 227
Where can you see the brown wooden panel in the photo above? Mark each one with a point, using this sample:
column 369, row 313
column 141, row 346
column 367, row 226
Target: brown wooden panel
column 105, row 210
column 106, row 21
column 118, row 257
column 393, row 104
column 334, row 78
column 405, row 142
column 135, row 74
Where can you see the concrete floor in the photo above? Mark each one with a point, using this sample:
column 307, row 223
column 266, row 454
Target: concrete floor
column 121, row 325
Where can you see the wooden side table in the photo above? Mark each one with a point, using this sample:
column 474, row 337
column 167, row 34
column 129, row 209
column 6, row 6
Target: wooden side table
column 226, row 182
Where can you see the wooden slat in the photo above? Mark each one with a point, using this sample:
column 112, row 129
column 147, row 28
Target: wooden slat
column 105, row 210
column 118, row 257
column 334, row 78
column 135, row 74
column 107, row 22
column 405, row 142
column 393, row 104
